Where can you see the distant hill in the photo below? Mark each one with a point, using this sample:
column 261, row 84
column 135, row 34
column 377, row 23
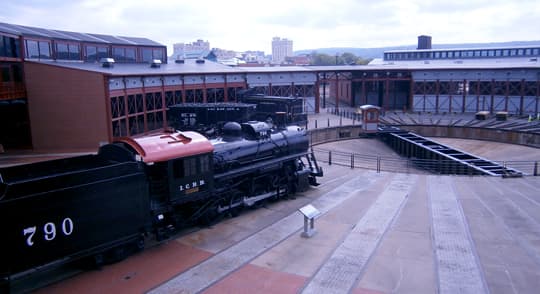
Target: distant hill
column 378, row 52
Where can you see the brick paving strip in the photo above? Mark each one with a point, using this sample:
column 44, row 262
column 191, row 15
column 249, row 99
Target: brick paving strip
column 344, row 267
column 223, row 263
column 458, row 270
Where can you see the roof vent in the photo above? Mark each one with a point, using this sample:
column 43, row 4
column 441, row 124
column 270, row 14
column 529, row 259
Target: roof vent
column 107, row 62
column 155, row 63
column 181, row 61
column 200, row 61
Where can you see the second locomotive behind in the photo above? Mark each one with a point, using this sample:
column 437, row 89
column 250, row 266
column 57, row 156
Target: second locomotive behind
column 91, row 206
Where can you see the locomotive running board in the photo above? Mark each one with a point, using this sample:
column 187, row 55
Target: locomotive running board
column 250, row 201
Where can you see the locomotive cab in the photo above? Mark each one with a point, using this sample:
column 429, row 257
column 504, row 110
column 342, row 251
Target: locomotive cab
column 179, row 170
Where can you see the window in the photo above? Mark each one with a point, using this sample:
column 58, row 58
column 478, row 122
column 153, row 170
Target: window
column 95, row 53
column 32, row 49
column 91, row 53
column 44, row 50
column 5, row 76
column 191, row 166
column 62, row 51
column 205, row 163
column 17, row 73
column 146, row 55
column 130, row 55
column 119, row 54
column 491, row 53
column 103, row 52
column 74, row 52
column 3, row 46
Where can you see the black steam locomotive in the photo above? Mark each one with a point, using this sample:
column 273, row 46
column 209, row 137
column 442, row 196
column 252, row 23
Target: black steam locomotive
column 96, row 206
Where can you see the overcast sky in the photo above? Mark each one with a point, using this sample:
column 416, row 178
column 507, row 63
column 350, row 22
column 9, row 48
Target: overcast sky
column 250, row 25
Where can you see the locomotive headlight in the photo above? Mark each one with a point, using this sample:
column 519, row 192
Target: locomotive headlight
column 160, row 217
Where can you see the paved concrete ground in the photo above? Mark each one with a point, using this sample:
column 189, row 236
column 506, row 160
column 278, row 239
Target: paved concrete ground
column 379, row 233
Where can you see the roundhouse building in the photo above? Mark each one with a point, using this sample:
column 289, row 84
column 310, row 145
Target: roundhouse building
column 67, row 90
column 442, row 80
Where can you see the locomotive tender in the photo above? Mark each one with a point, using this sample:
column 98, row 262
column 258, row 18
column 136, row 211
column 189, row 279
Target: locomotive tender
column 94, row 205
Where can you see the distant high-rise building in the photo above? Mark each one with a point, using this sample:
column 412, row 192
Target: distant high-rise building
column 281, row 48
column 196, row 49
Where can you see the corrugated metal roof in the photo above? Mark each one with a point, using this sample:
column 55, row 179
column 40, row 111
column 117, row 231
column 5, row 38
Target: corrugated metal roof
column 480, row 63
column 462, row 49
column 27, row 31
column 190, row 66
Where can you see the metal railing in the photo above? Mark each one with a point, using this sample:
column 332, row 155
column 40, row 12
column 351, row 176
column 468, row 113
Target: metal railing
column 404, row 165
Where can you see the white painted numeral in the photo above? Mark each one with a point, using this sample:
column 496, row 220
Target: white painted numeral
column 49, row 231
column 67, row 226
column 31, row 231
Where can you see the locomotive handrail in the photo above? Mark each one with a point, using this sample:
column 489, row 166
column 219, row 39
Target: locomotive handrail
column 247, row 169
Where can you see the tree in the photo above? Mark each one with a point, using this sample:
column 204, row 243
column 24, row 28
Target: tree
column 343, row 59
column 322, row 59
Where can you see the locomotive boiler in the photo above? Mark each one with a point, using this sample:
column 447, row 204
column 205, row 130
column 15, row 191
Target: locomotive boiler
column 99, row 206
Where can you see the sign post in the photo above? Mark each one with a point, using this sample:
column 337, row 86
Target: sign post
column 310, row 213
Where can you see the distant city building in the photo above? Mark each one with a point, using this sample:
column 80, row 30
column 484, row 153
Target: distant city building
column 298, row 60
column 224, row 54
column 254, row 57
column 197, row 49
column 281, row 48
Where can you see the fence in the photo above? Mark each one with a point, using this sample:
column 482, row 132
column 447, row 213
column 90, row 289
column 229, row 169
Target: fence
column 403, row 165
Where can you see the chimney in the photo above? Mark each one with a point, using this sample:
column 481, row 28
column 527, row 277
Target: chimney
column 424, row 42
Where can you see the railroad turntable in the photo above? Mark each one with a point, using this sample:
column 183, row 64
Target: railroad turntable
column 405, row 250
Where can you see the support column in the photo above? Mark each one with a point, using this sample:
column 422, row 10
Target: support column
column 522, row 94
column 386, row 97
column 492, row 95
column 324, row 90
column 204, row 98
column 363, row 98
column 411, row 95
column 317, row 95
column 337, row 90
column 465, row 90
column 183, row 91
column 506, row 94
column 437, row 92
column 225, row 89
column 164, row 103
